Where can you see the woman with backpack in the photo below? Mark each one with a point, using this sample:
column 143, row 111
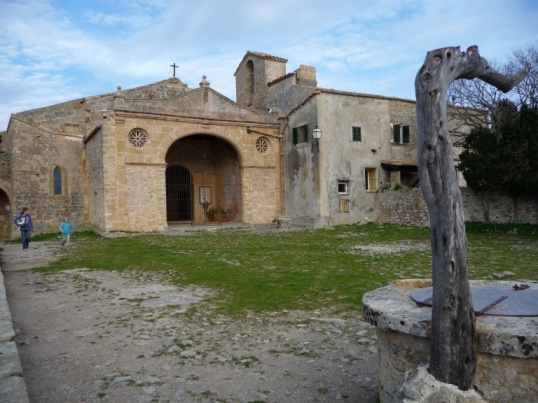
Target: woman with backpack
column 24, row 222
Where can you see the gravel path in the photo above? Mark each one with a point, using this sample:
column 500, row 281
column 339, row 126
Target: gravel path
column 93, row 336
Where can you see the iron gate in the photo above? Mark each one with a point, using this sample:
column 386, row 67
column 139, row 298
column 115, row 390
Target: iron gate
column 202, row 196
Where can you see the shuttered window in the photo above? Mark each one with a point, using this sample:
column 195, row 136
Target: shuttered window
column 370, row 179
column 356, row 133
column 300, row 134
column 405, row 134
column 400, row 134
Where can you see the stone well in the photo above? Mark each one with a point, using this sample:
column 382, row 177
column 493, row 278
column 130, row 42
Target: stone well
column 507, row 346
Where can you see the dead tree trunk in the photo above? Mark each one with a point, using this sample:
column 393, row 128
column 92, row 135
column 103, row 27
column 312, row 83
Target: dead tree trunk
column 453, row 342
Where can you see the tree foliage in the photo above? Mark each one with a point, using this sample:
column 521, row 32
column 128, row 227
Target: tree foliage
column 526, row 93
column 501, row 152
column 503, row 158
column 480, row 165
column 518, row 147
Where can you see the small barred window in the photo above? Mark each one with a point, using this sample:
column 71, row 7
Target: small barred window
column 262, row 145
column 138, row 137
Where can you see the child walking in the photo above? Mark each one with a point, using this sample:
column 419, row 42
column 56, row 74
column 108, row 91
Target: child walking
column 66, row 228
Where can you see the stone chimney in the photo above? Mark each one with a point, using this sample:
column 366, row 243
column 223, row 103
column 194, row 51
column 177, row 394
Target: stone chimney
column 306, row 76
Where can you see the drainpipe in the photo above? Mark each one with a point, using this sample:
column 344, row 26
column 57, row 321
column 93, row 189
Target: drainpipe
column 282, row 205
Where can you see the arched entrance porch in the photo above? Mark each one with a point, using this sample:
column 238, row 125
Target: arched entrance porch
column 203, row 181
column 6, row 218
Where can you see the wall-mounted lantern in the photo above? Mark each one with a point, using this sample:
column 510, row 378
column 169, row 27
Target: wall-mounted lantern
column 205, row 196
column 316, row 133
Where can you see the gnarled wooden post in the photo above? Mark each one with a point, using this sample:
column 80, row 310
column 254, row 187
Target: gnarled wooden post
column 453, row 344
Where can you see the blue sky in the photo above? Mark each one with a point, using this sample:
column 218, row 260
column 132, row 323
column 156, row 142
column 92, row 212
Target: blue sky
column 53, row 51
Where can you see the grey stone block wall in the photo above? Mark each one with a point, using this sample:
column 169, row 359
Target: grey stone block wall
column 407, row 207
column 12, row 384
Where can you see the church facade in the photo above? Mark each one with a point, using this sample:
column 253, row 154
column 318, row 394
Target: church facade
column 146, row 158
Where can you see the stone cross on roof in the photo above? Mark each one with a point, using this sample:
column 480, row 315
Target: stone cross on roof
column 174, row 67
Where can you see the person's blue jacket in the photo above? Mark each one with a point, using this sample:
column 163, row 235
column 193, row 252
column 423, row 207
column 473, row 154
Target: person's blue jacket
column 28, row 226
column 66, row 228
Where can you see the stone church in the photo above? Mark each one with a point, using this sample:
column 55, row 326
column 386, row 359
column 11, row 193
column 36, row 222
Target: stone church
column 146, row 158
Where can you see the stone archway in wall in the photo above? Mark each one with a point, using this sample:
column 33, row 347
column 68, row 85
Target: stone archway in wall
column 6, row 218
column 203, row 175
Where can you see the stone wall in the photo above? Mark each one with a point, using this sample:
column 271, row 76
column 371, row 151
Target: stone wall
column 246, row 175
column 407, row 207
column 6, row 211
column 502, row 208
column 506, row 370
column 146, row 198
column 37, row 142
column 403, row 113
column 12, row 384
column 164, row 89
column 259, row 191
column 35, row 153
column 94, row 213
column 251, row 78
column 5, row 165
column 402, row 207
column 513, row 380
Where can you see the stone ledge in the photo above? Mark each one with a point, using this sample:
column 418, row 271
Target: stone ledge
column 13, row 390
column 391, row 308
column 12, row 384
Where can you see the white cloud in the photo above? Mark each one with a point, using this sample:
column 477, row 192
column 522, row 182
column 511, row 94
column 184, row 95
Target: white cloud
column 53, row 51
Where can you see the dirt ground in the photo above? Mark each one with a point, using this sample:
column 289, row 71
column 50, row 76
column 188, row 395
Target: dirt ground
column 92, row 336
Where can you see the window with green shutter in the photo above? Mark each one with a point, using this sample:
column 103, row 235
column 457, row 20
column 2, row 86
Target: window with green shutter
column 405, row 134
column 356, row 133
column 300, row 134
column 396, row 133
column 400, row 134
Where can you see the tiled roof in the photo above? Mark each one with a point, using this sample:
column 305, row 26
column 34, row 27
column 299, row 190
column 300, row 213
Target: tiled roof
column 276, row 80
column 360, row 94
column 267, row 56
column 400, row 163
column 338, row 92
column 262, row 55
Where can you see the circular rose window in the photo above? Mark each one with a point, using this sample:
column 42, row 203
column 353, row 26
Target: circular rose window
column 138, row 137
column 262, row 145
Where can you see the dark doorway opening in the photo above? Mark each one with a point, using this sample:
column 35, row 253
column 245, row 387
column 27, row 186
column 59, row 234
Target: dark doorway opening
column 178, row 194
column 203, row 181
column 5, row 217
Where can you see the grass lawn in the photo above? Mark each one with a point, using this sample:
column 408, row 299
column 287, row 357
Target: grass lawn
column 304, row 269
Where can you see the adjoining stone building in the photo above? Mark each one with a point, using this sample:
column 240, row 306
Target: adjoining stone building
column 142, row 159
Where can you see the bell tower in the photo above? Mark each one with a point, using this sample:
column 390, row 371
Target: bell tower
column 255, row 71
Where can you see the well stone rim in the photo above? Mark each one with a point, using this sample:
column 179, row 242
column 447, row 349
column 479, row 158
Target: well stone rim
column 391, row 308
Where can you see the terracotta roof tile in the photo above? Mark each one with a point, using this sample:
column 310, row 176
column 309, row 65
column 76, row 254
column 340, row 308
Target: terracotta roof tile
column 400, row 163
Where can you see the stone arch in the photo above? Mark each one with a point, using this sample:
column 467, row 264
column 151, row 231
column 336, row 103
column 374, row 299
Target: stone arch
column 5, row 216
column 235, row 136
column 249, row 82
column 207, row 173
